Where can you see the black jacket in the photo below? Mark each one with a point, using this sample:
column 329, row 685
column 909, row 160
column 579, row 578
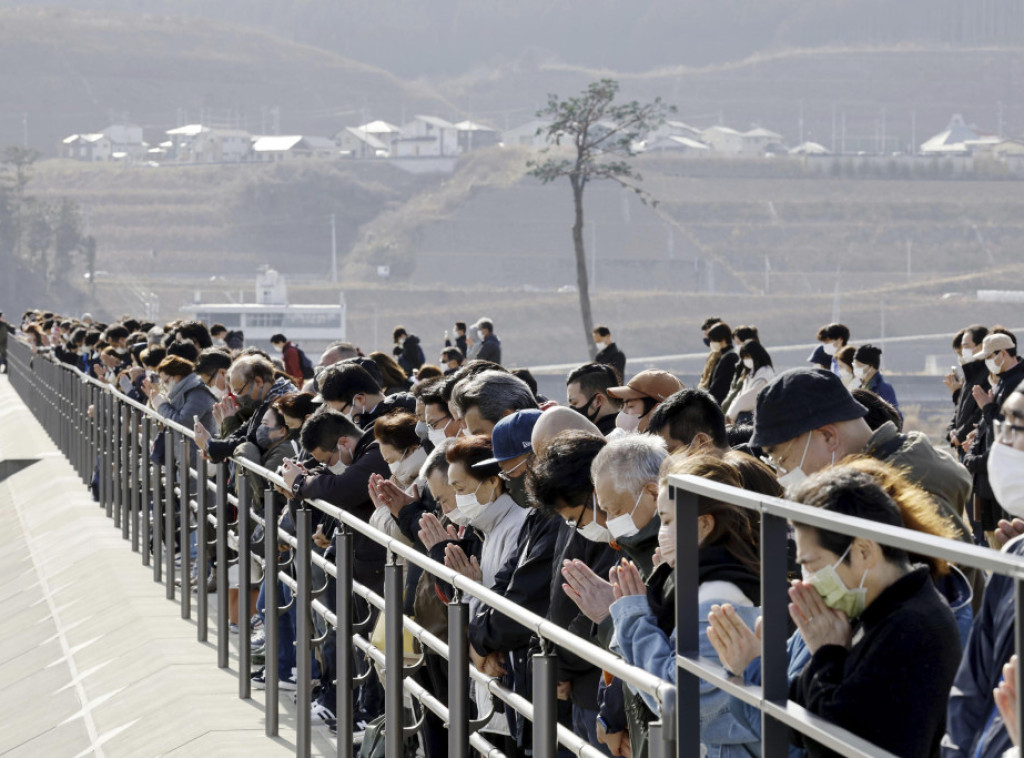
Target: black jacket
column 966, row 413
column 610, row 355
column 891, row 687
column 490, row 350
column 721, row 377
column 391, row 403
column 606, row 424
column 348, row 491
column 571, row 545
column 410, row 355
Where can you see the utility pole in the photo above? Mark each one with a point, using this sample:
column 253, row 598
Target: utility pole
column 334, row 251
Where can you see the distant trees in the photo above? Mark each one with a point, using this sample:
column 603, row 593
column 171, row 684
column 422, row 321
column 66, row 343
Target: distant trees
column 600, row 136
column 46, row 236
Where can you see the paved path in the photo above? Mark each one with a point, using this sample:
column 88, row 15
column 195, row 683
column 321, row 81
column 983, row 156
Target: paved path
column 94, row 660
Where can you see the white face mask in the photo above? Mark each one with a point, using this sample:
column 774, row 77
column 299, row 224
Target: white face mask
column 480, row 334
column 667, row 543
column 593, row 531
column 859, row 371
column 406, row 470
column 847, row 376
column 1006, row 475
column 339, row 467
column 624, row 525
column 627, row 422
column 217, row 391
column 468, row 506
column 992, row 365
column 437, row 436
column 830, row 348
column 966, row 355
column 791, row 479
column 749, row 363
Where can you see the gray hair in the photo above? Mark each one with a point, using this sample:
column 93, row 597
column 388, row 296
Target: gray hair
column 436, row 462
column 493, row 394
column 249, row 367
column 632, row 462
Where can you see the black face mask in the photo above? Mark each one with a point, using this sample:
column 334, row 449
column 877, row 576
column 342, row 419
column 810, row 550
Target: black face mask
column 583, row 409
column 707, row 342
column 517, row 491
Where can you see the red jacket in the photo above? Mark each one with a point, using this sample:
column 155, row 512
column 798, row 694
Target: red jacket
column 292, row 362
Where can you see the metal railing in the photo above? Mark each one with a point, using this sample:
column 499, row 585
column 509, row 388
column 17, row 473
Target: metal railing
column 141, row 499
column 159, row 503
column 778, row 713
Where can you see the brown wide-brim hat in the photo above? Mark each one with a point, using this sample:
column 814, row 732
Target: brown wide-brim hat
column 652, row 383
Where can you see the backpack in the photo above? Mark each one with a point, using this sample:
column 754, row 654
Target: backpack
column 305, row 364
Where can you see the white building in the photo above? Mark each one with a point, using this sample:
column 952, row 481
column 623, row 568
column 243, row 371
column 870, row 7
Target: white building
column 473, row 136
column 723, row 139
column 959, row 139
column 222, row 146
column 357, row 143
column 670, row 143
column 428, row 137
column 269, row 149
column 87, row 147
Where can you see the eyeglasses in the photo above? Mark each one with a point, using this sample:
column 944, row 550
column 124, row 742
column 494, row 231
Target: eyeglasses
column 1005, row 431
column 574, row 523
column 433, row 424
column 505, row 475
column 776, row 457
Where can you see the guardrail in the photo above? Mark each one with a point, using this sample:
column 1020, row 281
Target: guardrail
column 153, row 504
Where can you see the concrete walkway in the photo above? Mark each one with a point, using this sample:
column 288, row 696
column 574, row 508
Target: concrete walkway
column 94, row 660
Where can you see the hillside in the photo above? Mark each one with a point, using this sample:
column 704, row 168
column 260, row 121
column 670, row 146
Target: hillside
column 74, row 72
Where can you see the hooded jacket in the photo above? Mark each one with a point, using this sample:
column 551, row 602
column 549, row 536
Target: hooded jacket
column 409, row 355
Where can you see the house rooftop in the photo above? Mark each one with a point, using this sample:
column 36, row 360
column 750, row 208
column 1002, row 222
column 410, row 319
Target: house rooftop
column 276, row 143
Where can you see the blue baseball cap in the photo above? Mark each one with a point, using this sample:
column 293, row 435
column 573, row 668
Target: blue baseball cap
column 511, row 437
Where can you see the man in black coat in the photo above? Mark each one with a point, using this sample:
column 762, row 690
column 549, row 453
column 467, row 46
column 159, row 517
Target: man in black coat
column 489, row 347
column 349, row 389
column 609, row 352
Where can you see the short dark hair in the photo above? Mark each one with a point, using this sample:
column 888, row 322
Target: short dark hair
column 958, row 340
column 687, row 413
column 744, row 333
column 212, row 360
column 720, row 332
column 849, row 492
column 460, row 325
column 275, row 338
column 218, row 329
column 846, row 354
column 197, row 331
column 837, row 332
column 595, row 378
column 527, row 376
column 978, row 333
column 485, row 323
column 346, row 380
column 709, row 322
column 399, row 332
column 879, row 410
column 560, row 476
column 870, row 355
column 185, row 350
column 117, row 332
column 397, row 429
column 601, row 330
column 151, row 358
column 324, row 428
column 453, row 354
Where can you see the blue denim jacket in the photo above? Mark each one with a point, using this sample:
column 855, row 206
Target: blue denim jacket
column 641, row 643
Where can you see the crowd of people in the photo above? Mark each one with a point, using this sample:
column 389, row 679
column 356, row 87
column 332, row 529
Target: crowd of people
column 565, row 510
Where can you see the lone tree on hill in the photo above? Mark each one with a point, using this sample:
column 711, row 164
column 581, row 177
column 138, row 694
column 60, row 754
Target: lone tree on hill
column 600, row 135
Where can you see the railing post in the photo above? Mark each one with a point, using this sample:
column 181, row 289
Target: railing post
column 687, row 622
column 344, row 668
column 223, row 634
column 303, row 629
column 774, row 624
column 158, row 512
column 169, row 471
column 202, row 527
column 142, row 522
column 545, row 703
column 270, row 611
column 663, row 732
column 244, row 580
column 107, row 471
column 116, row 436
column 458, row 678
column 125, row 446
column 394, row 661
column 184, row 527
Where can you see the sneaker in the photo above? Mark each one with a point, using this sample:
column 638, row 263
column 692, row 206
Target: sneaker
column 320, row 711
column 232, row 627
column 284, row 684
column 256, row 623
column 257, row 639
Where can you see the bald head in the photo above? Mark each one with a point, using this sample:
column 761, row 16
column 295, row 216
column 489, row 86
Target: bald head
column 556, row 420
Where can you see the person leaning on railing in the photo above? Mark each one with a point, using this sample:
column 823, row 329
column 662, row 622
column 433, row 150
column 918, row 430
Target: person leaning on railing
column 180, row 396
column 644, row 616
column 888, row 682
